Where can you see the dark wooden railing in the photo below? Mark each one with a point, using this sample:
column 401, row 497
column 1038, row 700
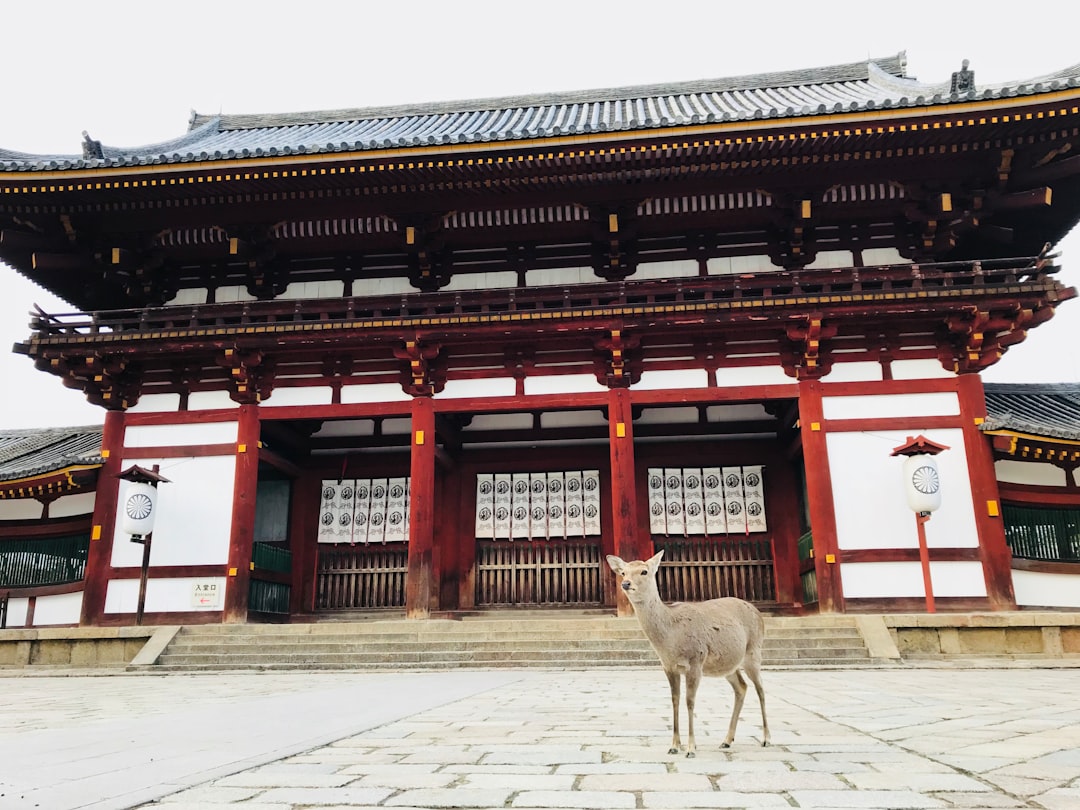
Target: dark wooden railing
column 269, row 590
column 1050, row 535
column 538, row 572
column 696, row 570
column 361, row 577
column 322, row 313
column 46, row 561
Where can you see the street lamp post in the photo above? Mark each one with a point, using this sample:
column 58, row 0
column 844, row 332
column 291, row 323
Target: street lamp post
column 922, row 489
column 137, row 518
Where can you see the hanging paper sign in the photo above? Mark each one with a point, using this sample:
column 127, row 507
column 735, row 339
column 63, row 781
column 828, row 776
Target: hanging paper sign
column 556, row 504
column 538, row 528
column 754, row 498
column 693, row 501
column 590, row 484
column 377, row 521
column 361, row 510
column 485, row 506
column 657, row 516
column 713, row 497
column 519, row 512
column 328, row 507
column 734, row 506
column 503, row 504
column 395, row 511
column 673, row 501
column 575, row 504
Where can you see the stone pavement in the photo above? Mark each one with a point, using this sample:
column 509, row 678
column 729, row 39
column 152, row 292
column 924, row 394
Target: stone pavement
column 888, row 738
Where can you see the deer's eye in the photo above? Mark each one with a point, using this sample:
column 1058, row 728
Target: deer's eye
column 644, row 573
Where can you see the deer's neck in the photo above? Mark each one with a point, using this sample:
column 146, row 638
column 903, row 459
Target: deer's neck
column 654, row 616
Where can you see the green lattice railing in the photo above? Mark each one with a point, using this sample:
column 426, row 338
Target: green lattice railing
column 48, row 561
column 1051, row 535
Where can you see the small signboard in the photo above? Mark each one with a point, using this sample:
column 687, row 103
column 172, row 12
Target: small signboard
column 206, row 595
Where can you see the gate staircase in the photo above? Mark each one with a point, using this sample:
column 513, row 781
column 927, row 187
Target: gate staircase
column 536, row 639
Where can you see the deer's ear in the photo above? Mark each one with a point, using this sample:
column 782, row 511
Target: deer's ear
column 617, row 564
column 654, row 561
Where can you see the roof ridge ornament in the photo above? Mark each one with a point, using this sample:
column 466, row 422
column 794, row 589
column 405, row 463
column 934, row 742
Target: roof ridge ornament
column 91, row 149
column 963, row 81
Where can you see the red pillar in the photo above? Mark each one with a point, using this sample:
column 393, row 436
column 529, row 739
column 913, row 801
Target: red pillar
column 627, row 540
column 241, row 537
column 420, row 579
column 99, row 558
column 994, row 551
column 819, row 496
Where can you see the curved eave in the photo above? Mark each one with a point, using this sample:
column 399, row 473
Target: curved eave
column 65, row 481
column 1017, row 446
column 871, row 122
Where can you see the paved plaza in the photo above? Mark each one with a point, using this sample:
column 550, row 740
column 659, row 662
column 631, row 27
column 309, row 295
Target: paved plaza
column 888, row 738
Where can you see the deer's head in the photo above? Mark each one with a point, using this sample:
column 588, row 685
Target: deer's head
column 638, row 578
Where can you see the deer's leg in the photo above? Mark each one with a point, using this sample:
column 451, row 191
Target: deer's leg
column 674, row 681
column 739, row 685
column 754, row 674
column 693, row 679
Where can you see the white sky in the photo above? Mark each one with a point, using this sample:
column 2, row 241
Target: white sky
column 130, row 72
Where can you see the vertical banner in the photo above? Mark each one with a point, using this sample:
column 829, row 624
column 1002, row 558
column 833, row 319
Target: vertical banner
column 754, row 495
column 485, row 506
column 377, row 519
column 657, row 516
column 693, row 501
column 395, row 511
column 408, row 524
column 590, row 484
column 575, row 504
column 329, row 508
column 556, row 504
column 503, row 504
column 734, row 504
column 347, row 503
column 519, row 512
column 673, row 501
column 713, row 496
column 538, row 528
column 361, row 510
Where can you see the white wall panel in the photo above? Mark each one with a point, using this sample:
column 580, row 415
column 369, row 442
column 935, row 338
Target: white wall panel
column 557, row 419
column 676, row 269
column 499, row 421
column 755, row 375
column 919, row 370
column 70, row 505
column 211, row 401
column 672, row 379
column 196, row 434
column 736, row 265
column 891, row 405
column 482, row 281
column 61, row 608
column 187, row 297
column 668, row 416
column 1037, row 589
column 314, row 289
column 862, row 371
column 156, row 403
column 162, row 595
column 232, row 295
column 555, row 276
column 16, row 612
column 563, row 384
column 829, row 259
column 882, row 580
column 347, row 427
column 957, row 579
column 868, row 495
column 20, row 509
column 1029, row 472
column 491, row 387
column 381, row 286
column 194, row 517
column 376, row 392
column 308, row 395
column 883, row 256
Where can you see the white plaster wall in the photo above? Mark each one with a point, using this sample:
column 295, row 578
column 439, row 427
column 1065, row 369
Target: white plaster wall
column 347, row 427
column 192, row 295
column 196, row 435
column 861, row 371
column 398, row 425
column 957, row 579
column 919, row 370
column 382, row 286
column 314, row 289
column 491, row 387
column 891, row 405
column 738, row 265
column 557, row 276
column 211, row 401
column 308, row 395
column 881, row 580
column 482, row 281
column 231, row 295
column 500, row 421
column 557, row 419
column 61, row 608
column 20, row 509
column 672, row 379
column 194, row 514
column 828, row 259
column 16, row 612
column 71, row 505
column 868, row 493
column 162, row 595
column 563, row 384
column 156, row 403
column 677, row 269
column 1037, row 589
column 883, row 256
column 1030, row 472
column 377, row 392
column 754, row 375
column 737, row 413
column 668, row 416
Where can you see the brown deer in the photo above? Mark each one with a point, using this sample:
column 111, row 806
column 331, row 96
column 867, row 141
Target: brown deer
column 718, row 637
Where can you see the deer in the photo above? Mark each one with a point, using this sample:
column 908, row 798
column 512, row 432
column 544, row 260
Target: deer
column 718, row 637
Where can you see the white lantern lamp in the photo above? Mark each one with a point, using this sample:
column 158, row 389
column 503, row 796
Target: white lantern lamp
column 922, row 489
column 137, row 513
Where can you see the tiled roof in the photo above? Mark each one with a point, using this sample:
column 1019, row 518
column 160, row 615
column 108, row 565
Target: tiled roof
column 1051, row 411
column 26, row 453
column 859, row 86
